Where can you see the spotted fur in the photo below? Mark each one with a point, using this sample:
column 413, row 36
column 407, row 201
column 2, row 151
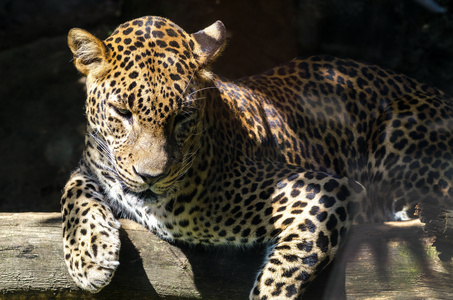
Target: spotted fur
column 291, row 157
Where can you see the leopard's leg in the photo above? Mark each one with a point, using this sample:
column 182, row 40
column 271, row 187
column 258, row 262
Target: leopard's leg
column 311, row 228
column 90, row 233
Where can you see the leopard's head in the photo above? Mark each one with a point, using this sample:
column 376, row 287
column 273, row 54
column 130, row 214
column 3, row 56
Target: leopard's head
column 142, row 106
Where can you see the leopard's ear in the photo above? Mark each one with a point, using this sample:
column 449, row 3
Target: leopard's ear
column 210, row 43
column 89, row 52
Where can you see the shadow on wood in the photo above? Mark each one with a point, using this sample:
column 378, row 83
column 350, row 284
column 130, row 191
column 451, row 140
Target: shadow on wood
column 385, row 261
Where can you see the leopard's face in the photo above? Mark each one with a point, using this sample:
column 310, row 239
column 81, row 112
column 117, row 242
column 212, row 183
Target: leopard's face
column 131, row 123
column 142, row 109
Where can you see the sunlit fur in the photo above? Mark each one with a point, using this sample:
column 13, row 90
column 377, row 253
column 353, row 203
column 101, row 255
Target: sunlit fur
column 290, row 158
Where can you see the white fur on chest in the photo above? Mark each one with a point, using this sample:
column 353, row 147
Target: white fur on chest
column 132, row 207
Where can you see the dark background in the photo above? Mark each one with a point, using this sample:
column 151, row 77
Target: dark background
column 42, row 95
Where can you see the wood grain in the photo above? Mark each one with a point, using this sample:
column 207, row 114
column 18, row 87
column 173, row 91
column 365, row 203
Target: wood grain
column 381, row 261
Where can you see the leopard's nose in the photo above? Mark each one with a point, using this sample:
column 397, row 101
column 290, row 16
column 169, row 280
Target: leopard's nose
column 148, row 177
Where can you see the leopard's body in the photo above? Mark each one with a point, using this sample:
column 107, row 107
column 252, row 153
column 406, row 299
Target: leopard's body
column 291, row 157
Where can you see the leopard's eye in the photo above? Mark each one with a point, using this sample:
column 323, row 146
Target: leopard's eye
column 187, row 118
column 180, row 117
column 122, row 112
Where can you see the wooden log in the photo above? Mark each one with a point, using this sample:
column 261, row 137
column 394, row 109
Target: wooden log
column 385, row 261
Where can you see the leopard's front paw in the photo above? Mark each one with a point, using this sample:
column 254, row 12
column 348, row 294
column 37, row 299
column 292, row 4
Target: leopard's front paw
column 91, row 248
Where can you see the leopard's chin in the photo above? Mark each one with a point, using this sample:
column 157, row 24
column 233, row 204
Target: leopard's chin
column 149, row 196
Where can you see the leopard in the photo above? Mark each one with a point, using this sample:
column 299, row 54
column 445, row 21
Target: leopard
column 290, row 158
